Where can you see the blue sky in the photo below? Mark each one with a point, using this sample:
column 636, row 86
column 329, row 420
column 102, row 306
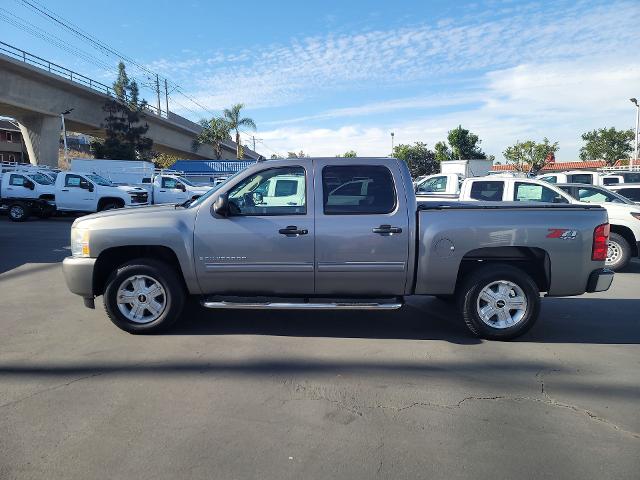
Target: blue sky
column 331, row 76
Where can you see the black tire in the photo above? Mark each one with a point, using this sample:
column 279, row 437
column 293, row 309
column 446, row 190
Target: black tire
column 19, row 212
column 109, row 206
column 166, row 276
column 469, row 303
column 622, row 249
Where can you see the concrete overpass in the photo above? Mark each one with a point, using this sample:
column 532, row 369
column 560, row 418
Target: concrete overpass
column 35, row 92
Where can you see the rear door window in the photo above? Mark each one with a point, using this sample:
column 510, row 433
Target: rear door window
column 72, row 181
column 632, row 194
column 531, row 192
column 358, row 190
column 490, row 191
column 16, row 180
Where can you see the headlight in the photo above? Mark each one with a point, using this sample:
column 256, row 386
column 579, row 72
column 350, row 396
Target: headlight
column 80, row 242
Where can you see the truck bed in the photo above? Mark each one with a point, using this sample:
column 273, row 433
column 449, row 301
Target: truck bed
column 450, row 233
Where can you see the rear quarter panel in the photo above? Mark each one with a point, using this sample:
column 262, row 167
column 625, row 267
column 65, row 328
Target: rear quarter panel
column 469, row 229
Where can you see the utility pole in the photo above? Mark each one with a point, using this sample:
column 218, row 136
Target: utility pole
column 253, row 138
column 158, row 93
column 64, row 135
column 635, row 156
column 166, row 96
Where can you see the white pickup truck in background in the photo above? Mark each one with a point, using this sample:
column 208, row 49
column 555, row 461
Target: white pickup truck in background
column 162, row 185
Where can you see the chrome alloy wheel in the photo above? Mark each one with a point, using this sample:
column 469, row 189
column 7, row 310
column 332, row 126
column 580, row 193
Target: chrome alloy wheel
column 16, row 211
column 501, row 304
column 141, row 299
column 614, row 252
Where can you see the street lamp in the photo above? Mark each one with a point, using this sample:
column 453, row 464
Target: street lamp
column 635, row 156
column 392, row 135
column 64, row 133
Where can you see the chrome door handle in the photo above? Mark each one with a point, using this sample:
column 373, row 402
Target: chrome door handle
column 293, row 231
column 387, row 230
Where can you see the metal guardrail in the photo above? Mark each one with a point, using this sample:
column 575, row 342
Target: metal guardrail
column 43, row 64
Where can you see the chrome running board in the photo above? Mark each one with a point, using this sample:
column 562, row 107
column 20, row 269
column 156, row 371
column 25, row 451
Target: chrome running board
column 301, row 306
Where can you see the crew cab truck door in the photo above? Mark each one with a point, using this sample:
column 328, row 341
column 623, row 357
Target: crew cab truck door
column 169, row 190
column 262, row 247
column 362, row 228
column 76, row 193
column 16, row 187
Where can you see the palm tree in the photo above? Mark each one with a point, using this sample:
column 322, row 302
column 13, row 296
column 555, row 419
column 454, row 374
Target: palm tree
column 214, row 132
column 232, row 116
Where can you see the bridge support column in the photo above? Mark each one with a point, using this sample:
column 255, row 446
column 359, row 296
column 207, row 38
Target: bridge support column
column 41, row 134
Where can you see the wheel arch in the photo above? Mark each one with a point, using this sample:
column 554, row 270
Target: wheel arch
column 112, row 258
column 106, row 200
column 627, row 234
column 535, row 262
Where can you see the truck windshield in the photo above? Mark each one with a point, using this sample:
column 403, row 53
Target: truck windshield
column 201, row 199
column 186, row 182
column 40, row 178
column 100, row 180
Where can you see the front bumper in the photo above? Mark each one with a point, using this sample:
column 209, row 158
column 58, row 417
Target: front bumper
column 600, row 280
column 78, row 273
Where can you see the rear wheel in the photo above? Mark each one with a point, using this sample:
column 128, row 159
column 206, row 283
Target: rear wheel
column 499, row 302
column 19, row 212
column 618, row 252
column 144, row 296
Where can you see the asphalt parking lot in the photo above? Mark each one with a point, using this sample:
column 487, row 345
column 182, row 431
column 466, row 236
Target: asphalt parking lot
column 248, row 394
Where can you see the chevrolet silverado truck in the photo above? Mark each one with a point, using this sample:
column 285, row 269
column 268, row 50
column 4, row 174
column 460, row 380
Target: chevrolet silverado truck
column 349, row 234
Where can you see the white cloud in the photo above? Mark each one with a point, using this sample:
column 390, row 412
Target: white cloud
column 557, row 100
column 274, row 75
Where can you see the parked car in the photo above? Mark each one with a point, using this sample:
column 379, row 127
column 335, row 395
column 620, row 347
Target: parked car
column 327, row 249
column 583, row 177
column 624, row 218
column 439, row 184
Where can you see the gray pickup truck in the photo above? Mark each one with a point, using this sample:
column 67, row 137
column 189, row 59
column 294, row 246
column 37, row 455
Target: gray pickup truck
column 335, row 233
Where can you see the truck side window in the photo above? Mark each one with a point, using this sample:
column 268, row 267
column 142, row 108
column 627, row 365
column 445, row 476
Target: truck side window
column 530, row 192
column 490, row 191
column 551, row 179
column 632, row 194
column 275, row 191
column 168, row 182
column 72, row 181
column 358, row 189
column 436, row 184
column 580, row 178
column 16, row 180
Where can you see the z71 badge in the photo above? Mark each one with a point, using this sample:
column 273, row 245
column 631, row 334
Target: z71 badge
column 562, row 234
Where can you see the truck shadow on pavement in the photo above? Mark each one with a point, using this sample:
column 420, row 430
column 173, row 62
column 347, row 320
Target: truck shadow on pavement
column 562, row 320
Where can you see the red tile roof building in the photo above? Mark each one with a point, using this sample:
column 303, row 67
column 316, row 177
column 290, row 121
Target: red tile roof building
column 561, row 166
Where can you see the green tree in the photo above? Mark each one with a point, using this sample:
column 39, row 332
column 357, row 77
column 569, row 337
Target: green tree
column 235, row 121
column 607, row 144
column 348, row 154
column 419, row 159
column 274, row 156
column 443, row 153
column 214, row 132
column 124, row 131
column 164, row 160
column 300, row 154
column 122, row 84
column 530, row 156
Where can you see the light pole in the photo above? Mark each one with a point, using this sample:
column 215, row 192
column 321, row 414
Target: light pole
column 392, row 135
column 64, row 133
column 635, row 156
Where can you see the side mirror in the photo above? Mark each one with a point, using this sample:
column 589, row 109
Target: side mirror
column 29, row 184
column 180, row 186
column 90, row 187
column 221, row 205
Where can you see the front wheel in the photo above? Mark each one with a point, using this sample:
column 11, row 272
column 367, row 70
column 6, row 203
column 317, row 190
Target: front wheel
column 499, row 302
column 144, row 296
column 618, row 252
column 19, row 212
